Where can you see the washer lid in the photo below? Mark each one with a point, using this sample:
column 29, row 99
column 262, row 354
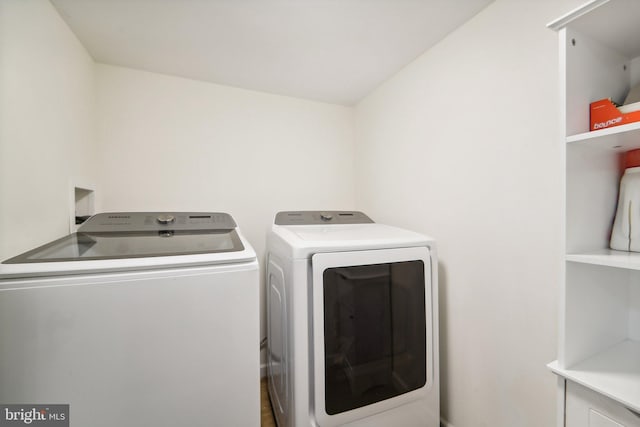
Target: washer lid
column 123, row 235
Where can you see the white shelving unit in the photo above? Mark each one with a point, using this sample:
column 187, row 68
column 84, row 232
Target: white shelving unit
column 598, row 361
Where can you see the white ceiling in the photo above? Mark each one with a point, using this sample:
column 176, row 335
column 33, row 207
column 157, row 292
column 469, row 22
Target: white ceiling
column 334, row 51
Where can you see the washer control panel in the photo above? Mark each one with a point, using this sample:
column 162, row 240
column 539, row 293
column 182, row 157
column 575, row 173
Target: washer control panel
column 123, row 222
column 321, row 217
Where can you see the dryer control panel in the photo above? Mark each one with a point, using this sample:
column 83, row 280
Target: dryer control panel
column 321, row 218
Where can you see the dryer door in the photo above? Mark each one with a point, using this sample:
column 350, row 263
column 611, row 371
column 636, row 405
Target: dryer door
column 372, row 332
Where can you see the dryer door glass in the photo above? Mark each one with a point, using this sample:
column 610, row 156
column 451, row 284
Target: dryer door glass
column 374, row 333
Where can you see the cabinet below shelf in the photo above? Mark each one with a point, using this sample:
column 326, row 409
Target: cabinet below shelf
column 614, row 373
column 608, row 258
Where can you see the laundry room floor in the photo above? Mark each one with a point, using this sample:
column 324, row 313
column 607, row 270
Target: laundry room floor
column 266, row 414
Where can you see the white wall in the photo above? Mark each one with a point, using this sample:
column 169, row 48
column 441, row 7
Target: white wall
column 172, row 143
column 463, row 145
column 46, row 123
column 168, row 143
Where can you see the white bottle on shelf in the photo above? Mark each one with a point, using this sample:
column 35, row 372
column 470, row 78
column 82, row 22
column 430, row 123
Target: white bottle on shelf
column 625, row 235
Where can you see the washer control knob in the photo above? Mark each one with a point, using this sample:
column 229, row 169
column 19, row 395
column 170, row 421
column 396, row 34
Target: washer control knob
column 325, row 216
column 165, row 219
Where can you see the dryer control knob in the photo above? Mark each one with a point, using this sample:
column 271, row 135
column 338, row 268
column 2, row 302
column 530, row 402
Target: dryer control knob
column 326, row 216
column 166, row 219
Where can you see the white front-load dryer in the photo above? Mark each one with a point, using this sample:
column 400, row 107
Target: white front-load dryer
column 352, row 322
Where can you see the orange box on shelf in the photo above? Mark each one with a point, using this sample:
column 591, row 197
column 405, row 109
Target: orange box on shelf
column 604, row 114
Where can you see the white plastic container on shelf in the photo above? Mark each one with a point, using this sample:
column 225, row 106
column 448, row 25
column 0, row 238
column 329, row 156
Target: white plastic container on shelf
column 625, row 235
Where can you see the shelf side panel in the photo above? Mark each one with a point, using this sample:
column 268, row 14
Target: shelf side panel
column 593, row 178
column 596, row 315
column 634, row 307
column 634, row 69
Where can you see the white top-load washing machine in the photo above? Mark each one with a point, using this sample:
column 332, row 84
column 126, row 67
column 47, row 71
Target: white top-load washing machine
column 352, row 322
column 138, row 319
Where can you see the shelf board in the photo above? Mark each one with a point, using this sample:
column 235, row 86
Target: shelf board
column 614, row 373
column 617, row 138
column 608, row 258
